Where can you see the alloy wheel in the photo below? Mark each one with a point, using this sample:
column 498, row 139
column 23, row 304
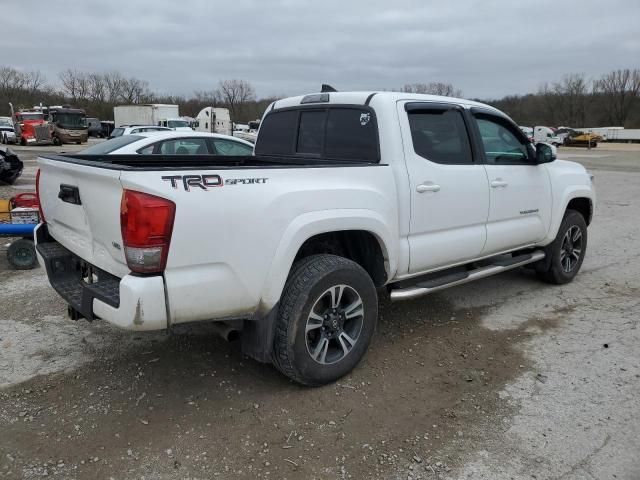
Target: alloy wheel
column 334, row 324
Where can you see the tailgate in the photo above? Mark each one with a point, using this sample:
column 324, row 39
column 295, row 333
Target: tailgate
column 81, row 205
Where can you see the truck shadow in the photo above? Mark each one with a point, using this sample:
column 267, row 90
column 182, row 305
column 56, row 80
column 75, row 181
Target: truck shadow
column 432, row 372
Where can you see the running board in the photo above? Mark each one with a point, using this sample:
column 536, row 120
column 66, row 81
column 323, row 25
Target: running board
column 451, row 280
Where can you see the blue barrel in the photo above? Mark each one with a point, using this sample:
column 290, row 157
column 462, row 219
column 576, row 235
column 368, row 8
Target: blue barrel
column 17, row 229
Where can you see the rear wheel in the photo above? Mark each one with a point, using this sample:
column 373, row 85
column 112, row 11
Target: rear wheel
column 566, row 254
column 327, row 317
column 23, row 141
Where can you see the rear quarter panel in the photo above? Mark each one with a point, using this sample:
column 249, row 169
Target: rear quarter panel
column 232, row 246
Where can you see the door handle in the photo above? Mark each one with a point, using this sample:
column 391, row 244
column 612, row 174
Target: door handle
column 427, row 187
column 498, row 182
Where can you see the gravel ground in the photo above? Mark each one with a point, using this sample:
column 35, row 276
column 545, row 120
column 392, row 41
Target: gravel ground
column 505, row 378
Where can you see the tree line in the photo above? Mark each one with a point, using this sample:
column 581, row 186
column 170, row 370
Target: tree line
column 575, row 100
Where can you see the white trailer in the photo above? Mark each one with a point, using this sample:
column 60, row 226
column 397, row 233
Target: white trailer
column 144, row 114
column 615, row 134
column 214, row 120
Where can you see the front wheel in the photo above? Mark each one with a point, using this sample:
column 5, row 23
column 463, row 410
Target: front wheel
column 326, row 319
column 566, row 254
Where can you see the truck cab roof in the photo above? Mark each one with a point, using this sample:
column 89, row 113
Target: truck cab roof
column 370, row 98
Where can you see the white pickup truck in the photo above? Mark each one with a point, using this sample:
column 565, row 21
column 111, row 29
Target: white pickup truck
column 346, row 194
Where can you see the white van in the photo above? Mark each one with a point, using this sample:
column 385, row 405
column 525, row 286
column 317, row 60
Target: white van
column 547, row 135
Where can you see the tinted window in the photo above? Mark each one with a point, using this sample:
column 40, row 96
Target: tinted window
column 338, row 133
column 311, row 132
column 277, row 133
column 229, row 147
column 184, row 146
column 351, row 134
column 116, row 132
column 501, row 143
column 440, row 136
column 111, row 145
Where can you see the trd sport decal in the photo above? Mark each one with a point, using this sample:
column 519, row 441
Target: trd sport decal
column 208, row 181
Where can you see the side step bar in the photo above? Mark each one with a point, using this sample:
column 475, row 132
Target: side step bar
column 431, row 286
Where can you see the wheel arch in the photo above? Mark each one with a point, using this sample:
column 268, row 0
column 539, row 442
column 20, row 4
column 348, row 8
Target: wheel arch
column 349, row 228
column 582, row 205
column 580, row 198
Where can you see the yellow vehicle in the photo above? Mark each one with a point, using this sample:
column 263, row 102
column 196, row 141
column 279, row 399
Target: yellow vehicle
column 576, row 137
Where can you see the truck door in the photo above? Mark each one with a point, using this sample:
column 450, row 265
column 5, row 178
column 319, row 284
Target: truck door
column 520, row 190
column 449, row 189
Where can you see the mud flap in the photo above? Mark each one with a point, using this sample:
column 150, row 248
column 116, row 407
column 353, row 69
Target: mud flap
column 258, row 334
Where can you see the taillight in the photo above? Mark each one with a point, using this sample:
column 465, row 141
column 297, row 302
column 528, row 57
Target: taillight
column 42, row 219
column 146, row 222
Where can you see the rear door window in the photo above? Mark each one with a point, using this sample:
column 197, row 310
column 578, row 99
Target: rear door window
column 440, row 136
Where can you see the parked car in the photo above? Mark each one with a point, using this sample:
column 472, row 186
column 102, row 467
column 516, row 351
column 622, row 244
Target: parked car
column 172, row 143
column 347, row 193
column 7, row 131
column 94, row 127
column 133, row 129
column 10, row 166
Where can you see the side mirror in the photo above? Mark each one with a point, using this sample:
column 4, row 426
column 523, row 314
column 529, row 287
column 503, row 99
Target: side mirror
column 545, row 153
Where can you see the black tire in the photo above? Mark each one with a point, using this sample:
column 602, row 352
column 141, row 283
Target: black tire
column 310, row 280
column 23, row 141
column 56, row 141
column 4, row 139
column 22, row 254
column 555, row 269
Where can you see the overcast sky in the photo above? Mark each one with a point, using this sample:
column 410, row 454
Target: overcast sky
column 487, row 48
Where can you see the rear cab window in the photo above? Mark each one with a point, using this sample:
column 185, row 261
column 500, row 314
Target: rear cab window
column 341, row 133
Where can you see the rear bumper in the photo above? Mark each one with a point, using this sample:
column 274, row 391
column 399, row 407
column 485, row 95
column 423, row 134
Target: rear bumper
column 130, row 302
column 68, row 138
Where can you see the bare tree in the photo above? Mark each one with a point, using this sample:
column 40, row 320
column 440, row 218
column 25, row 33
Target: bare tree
column 620, row 89
column 134, row 90
column 433, row 88
column 34, row 81
column 114, row 82
column 97, row 87
column 12, row 80
column 69, row 80
column 571, row 94
column 235, row 93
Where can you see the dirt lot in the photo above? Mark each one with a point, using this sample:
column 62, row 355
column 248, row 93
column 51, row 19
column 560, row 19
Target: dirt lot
column 505, row 378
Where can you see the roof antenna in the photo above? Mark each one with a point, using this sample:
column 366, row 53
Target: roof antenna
column 327, row 88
